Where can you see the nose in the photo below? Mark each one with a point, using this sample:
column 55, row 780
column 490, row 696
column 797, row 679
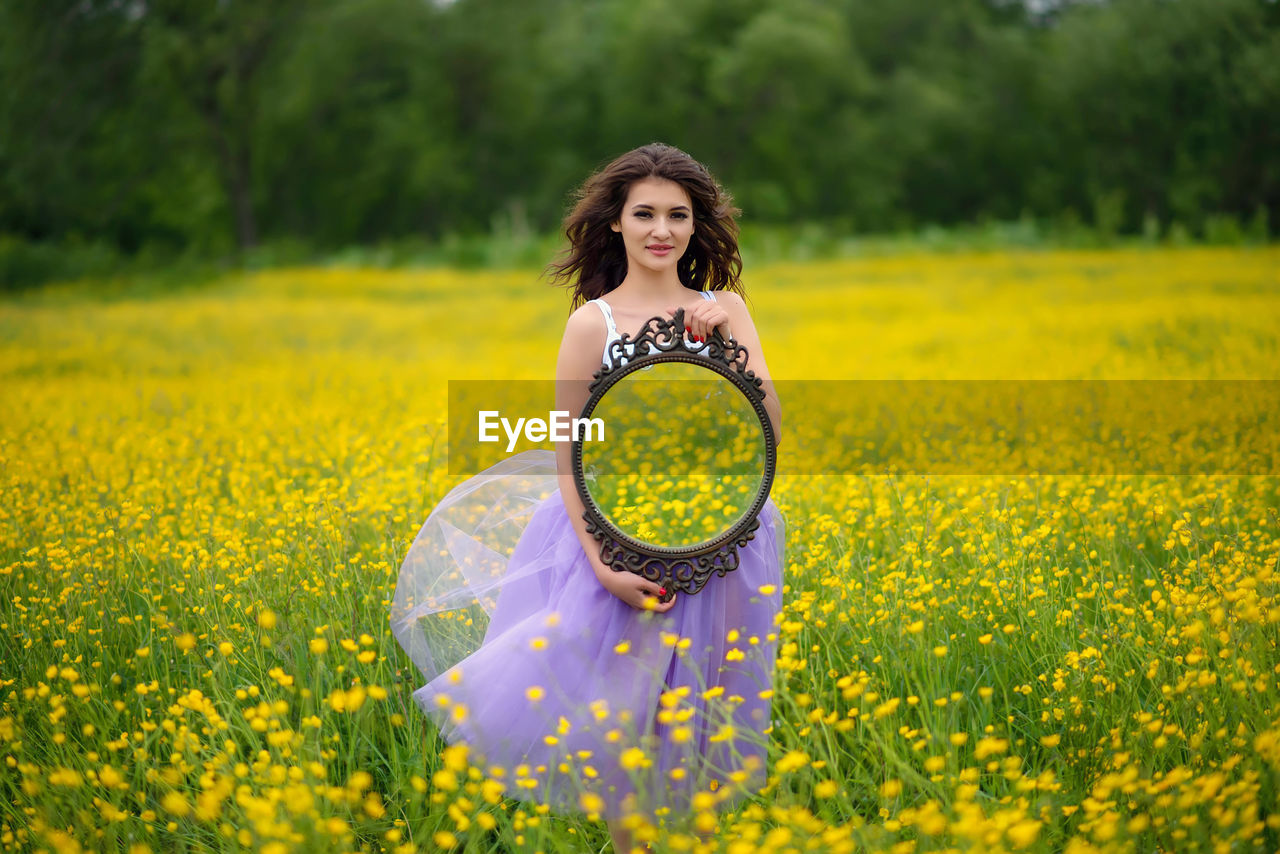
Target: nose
column 661, row 228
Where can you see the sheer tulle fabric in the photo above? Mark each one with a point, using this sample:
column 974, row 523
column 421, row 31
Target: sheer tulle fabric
column 560, row 689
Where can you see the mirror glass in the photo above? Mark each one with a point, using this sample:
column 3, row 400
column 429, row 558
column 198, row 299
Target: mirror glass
column 683, row 455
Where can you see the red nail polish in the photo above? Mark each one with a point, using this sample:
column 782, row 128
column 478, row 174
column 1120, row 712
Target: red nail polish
column 662, row 591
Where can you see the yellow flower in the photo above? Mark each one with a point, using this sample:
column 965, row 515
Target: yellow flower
column 1023, row 833
column 68, row 777
column 792, row 761
column 491, row 791
column 319, row 646
column 592, row 804
column 176, row 804
column 455, row 757
column 886, row 708
column 989, row 747
column 633, row 758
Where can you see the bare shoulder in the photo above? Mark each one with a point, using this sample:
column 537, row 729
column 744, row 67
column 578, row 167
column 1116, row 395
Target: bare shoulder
column 585, row 323
column 735, row 305
column 729, row 298
column 583, row 342
column 731, row 301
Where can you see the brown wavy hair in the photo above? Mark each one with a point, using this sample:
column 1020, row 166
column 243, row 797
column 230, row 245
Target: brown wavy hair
column 596, row 261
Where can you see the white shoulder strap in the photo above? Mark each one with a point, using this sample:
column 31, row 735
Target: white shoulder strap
column 608, row 315
column 709, row 295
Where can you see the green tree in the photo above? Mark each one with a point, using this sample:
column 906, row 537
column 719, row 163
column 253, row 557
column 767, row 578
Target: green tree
column 68, row 162
column 210, row 57
column 783, row 83
column 359, row 141
column 1153, row 106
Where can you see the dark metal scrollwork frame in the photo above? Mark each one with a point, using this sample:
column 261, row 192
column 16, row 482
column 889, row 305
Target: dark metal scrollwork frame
column 683, row 568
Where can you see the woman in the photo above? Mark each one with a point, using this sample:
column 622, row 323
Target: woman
column 588, row 690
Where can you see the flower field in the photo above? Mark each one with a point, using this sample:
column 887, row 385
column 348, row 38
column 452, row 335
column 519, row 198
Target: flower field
column 205, row 496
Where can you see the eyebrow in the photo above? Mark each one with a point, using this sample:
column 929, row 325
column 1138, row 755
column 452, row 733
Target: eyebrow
column 650, row 207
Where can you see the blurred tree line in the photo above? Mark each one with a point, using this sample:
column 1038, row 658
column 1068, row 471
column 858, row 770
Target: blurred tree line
column 199, row 126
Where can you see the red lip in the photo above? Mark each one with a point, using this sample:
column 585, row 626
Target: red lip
column 661, row 246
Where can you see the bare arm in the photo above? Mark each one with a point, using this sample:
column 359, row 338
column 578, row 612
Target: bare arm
column 729, row 309
column 579, row 359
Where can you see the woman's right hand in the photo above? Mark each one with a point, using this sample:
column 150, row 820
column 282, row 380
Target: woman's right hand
column 637, row 591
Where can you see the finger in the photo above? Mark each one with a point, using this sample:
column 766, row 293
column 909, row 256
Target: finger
column 717, row 319
column 688, row 323
column 711, row 318
column 696, row 319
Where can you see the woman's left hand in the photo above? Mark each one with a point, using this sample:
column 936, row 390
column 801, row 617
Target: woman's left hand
column 703, row 316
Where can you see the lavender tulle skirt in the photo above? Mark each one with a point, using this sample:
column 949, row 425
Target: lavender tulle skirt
column 563, row 692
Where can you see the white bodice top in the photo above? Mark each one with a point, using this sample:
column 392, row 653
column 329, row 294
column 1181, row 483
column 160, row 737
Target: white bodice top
column 614, row 334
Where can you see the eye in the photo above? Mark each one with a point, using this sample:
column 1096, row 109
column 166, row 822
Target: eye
column 679, row 215
column 643, row 214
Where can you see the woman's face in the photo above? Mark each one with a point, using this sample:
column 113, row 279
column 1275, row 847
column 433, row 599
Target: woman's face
column 656, row 224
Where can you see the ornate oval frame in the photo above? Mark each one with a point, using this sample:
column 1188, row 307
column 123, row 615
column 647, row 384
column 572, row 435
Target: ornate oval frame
column 683, row 568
